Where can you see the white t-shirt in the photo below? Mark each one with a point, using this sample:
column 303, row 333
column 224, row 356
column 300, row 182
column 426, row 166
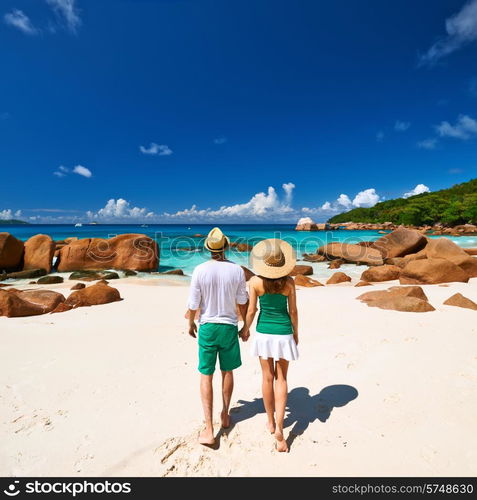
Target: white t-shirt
column 216, row 288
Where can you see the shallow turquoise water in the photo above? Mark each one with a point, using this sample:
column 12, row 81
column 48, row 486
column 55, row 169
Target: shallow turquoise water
column 172, row 237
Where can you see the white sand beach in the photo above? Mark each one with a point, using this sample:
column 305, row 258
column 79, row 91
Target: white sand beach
column 113, row 390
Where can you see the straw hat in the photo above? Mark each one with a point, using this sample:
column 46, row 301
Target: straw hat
column 216, row 241
column 272, row 258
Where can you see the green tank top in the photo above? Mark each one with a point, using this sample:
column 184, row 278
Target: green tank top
column 274, row 317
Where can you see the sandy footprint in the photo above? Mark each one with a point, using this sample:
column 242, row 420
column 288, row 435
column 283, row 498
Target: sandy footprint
column 38, row 419
column 183, row 456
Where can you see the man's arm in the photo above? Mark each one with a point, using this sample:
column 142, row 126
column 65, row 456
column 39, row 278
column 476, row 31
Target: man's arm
column 252, row 310
column 243, row 308
column 192, row 323
column 194, row 303
column 242, row 302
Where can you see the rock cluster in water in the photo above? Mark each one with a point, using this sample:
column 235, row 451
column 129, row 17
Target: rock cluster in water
column 34, row 258
column 407, row 255
column 307, row 224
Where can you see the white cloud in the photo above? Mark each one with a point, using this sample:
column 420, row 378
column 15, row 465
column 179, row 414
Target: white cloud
column 380, row 136
column 21, row 21
column 119, row 209
column 464, row 128
column 220, row 140
column 7, row 214
column 288, row 187
column 419, row 189
column 192, row 213
column 461, row 30
column 400, row 126
column 343, row 199
column 260, row 206
column 366, row 198
column 342, row 203
column 156, row 150
column 67, row 12
column 80, row 170
column 427, row 144
column 61, row 172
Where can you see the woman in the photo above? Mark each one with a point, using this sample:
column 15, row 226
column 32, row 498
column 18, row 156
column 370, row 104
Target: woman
column 276, row 338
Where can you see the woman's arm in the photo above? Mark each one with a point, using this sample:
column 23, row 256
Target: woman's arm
column 252, row 309
column 292, row 309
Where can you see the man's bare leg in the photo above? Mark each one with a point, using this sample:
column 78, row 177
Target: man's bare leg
column 207, row 396
column 227, row 389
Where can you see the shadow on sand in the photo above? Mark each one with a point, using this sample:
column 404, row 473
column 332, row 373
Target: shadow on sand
column 302, row 408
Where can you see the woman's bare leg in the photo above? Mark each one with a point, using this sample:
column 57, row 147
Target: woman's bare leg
column 227, row 389
column 281, row 394
column 206, row 394
column 267, row 391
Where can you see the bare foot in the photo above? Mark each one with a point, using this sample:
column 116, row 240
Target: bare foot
column 225, row 418
column 281, row 444
column 206, row 438
column 271, row 427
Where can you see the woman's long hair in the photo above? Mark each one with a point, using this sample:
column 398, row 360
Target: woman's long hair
column 276, row 285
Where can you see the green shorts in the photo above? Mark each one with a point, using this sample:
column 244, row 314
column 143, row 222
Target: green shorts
column 221, row 339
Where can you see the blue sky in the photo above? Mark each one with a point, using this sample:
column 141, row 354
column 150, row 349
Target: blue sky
column 250, row 110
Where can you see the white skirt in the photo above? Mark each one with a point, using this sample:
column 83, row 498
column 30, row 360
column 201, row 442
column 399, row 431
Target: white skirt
column 267, row 345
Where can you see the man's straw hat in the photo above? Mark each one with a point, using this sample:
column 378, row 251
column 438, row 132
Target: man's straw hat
column 216, row 241
column 272, row 258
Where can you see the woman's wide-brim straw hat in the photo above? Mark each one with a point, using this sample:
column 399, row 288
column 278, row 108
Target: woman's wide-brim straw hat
column 272, row 258
column 216, row 241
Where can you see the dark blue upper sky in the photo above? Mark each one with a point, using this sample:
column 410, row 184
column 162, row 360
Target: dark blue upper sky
column 164, row 105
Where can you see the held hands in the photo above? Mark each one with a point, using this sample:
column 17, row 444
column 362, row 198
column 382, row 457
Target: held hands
column 244, row 334
column 192, row 329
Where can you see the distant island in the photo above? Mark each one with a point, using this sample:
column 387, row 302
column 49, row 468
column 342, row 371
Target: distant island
column 452, row 206
column 12, row 221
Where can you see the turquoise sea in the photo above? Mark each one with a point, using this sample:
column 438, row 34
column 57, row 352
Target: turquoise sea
column 172, row 237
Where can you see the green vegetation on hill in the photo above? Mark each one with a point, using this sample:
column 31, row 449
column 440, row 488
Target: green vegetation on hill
column 452, row 206
column 12, row 221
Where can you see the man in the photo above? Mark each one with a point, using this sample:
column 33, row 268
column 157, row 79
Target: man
column 217, row 287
